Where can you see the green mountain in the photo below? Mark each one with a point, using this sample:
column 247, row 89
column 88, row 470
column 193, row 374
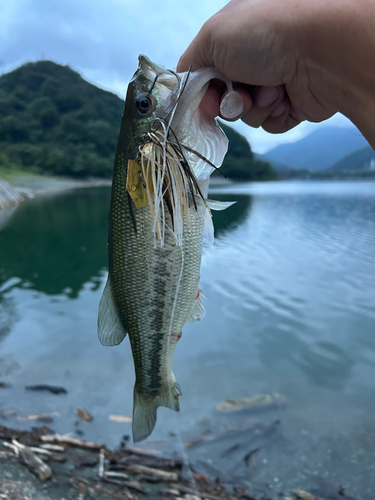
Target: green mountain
column 356, row 162
column 240, row 163
column 319, row 150
column 53, row 121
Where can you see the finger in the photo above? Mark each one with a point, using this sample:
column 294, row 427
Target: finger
column 282, row 119
column 265, row 101
column 213, row 99
column 210, row 104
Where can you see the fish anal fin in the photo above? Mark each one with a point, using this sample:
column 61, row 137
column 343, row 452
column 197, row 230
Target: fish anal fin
column 110, row 329
column 197, row 312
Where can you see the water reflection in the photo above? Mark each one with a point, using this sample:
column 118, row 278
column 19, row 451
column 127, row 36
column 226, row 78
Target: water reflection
column 323, row 363
column 7, row 315
column 56, row 244
column 5, row 215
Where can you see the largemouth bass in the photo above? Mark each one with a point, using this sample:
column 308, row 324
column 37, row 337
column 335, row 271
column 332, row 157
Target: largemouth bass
column 159, row 218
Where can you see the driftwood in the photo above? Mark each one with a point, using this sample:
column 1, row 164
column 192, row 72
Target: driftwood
column 35, row 464
column 121, row 419
column 140, row 451
column 53, row 447
column 118, row 475
column 42, row 417
column 156, row 473
column 191, row 491
column 25, row 437
column 155, row 462
column 110, row 493
column 101, row 463
column 304, row 495
column 57, row 438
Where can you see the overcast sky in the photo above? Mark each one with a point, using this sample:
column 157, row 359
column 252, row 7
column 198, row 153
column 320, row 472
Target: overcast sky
column 101, row 39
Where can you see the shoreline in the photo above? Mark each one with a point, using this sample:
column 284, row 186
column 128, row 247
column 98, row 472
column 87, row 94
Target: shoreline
column 25, row 186
column 50, row 466
column 34, row 185
column 17, row 188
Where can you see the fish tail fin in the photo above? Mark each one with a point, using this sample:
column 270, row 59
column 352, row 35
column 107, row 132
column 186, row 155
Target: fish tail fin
column 145, row 406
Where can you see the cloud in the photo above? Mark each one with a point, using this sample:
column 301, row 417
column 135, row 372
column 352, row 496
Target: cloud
column 99, row 39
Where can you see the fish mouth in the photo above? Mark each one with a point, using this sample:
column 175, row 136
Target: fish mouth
column 145, row 64
column 151, row 70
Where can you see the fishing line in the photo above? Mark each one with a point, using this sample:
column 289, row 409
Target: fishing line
column 153, row 84
column 177, row 292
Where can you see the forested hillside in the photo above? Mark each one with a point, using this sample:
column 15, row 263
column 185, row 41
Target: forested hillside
column 53, row 121
column 240, row 164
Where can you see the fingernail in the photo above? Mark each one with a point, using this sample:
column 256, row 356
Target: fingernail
column 231, row 106
column 266, row 96
column 278, row 111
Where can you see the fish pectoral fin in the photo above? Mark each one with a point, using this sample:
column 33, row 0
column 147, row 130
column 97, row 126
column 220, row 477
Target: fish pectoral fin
column 197, row 312
column 145, row 408
column 219, row 205
column 208, row 229
column 110, row 329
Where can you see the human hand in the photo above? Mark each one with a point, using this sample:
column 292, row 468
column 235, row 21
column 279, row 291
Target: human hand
column 287, row 59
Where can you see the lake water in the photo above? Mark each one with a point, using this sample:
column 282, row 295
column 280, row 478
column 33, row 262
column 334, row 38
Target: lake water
column 290, row 287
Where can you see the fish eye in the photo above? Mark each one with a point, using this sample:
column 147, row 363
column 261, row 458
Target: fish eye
column 143, row 104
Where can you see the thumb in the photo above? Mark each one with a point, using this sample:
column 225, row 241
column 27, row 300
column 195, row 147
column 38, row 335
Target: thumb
column 198, row 54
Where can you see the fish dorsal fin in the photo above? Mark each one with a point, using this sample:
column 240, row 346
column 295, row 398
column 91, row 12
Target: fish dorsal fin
column 110, row 329
column 197, row 312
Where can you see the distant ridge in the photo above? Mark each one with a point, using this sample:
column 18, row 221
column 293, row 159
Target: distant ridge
column 318, row 151
column 357, row 161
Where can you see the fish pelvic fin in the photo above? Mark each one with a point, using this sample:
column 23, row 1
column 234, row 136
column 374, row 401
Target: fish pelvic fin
column 145, row 408
column 110, row 329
